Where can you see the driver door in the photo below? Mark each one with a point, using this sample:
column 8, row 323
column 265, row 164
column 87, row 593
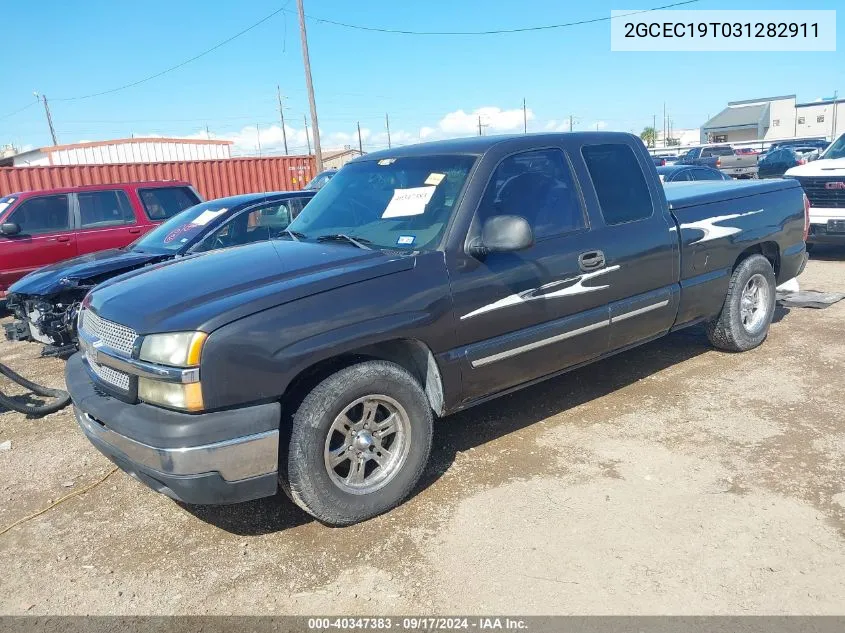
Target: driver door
column 526, row 314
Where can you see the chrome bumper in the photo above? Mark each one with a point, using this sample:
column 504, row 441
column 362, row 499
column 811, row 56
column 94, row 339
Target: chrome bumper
column 235, row 459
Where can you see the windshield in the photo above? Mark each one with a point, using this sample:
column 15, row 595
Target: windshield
column 395, row 203
column 6, row 202
column 180, row 230
column 837, row 149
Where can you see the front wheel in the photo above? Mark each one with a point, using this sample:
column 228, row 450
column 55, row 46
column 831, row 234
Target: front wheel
column 744, row 321
column 359, row 443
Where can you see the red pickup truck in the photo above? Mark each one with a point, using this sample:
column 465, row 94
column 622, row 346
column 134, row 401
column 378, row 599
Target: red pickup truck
column 38, row 228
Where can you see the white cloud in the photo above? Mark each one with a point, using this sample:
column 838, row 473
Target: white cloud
column 553, row 125
column 493, row 119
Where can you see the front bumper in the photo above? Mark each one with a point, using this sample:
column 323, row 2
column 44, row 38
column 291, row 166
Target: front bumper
column 207, row 458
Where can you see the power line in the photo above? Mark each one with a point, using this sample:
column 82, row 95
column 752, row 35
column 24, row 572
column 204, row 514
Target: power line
column 179, row 65
column 26, row 107
column 544, row 27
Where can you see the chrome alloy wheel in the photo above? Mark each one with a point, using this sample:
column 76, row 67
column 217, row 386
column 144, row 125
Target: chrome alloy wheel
column 367, row 444
column 754, row 304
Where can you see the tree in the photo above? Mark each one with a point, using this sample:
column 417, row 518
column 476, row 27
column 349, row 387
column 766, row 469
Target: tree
column 649, row 136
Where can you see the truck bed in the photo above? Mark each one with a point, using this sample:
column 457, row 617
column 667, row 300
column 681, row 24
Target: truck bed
column 681, row 195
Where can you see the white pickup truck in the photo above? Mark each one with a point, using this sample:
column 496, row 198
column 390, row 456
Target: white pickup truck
column 823, row 181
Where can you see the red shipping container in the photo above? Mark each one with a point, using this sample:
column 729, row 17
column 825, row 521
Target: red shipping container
column 212, row 178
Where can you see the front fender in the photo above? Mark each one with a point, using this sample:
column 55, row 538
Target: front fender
column 255, row 358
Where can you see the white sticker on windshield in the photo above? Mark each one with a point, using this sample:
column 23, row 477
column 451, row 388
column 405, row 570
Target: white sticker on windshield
column 207, row 216
column 406, row 202
column 434, row 179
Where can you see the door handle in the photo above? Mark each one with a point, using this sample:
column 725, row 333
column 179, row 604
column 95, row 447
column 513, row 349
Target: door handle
column 136, row 230
column 63, row 238
column 591, row 260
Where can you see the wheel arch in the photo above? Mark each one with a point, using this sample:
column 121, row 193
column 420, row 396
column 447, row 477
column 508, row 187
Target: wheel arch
column 409, row 353
column 770, row 250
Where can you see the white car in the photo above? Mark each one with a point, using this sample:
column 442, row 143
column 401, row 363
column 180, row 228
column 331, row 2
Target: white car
column 823, row 181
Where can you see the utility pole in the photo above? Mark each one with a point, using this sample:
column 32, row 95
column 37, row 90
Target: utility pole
column 570, row 122
column 305, row 119
column 360, row 145
column 524, row 118
column 207, row 133
column 664, row 124
column 318, row 154
column 387, row 125
column 258, row 138
column 479, row 125
column 282, row 117
column 43, row 99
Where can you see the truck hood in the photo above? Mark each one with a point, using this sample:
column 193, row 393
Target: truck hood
column 79, row 271
column 821, row 167
column 204, row 292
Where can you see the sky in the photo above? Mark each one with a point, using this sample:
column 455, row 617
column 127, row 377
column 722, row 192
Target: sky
column 430, row 86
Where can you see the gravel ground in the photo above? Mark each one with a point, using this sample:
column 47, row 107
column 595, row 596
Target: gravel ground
column 669, row 479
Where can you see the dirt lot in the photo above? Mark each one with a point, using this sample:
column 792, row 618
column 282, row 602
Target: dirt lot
column 670, row 479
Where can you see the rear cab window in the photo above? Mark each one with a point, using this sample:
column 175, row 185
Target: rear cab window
column 42, row 214
column 718, row 151
column 161, row 203
column 101, row 209
column 619, row 183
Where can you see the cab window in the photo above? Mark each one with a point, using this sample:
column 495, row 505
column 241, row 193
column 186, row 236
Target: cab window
column 619, row 183
column 104, row 208
column 165, row 202
column 257, row 225
column 44, row 214
column 537, row 185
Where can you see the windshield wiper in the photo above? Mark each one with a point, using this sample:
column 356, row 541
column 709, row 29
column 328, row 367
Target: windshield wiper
column 296, row 235
column 360, row 242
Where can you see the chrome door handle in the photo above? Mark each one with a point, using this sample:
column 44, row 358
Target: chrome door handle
column 591, row 260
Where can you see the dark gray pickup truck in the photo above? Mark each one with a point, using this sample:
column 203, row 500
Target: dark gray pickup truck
column 419, row 281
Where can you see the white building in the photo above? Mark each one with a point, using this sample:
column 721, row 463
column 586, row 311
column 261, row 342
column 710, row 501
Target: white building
column 128, row 150
column 772, row 118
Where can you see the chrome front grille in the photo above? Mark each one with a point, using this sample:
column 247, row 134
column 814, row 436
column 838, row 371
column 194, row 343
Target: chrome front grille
column 110, row 376
column 118, row 337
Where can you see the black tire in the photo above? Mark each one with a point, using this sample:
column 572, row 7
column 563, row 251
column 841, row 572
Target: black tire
column 304, row 475
column 727, row 331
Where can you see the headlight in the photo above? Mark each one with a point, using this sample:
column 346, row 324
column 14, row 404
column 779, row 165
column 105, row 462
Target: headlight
column 177, row 349
column 171, row 394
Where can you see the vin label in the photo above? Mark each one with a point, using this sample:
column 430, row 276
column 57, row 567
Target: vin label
column 722, row 30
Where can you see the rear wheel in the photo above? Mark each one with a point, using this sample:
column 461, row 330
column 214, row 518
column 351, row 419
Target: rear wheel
column 749, row 306
column 359, row 443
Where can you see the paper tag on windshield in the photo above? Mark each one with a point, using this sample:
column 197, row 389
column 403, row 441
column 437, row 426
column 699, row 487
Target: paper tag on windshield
column 207, row 216
column 407, row 202
column 434, row 179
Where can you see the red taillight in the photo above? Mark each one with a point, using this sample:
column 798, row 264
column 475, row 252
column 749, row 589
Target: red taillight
column 663, row 162
column 806, row 217
column 802, row 161
column 718, row 163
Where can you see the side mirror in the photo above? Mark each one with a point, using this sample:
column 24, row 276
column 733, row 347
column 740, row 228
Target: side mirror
column 503, row 234
column 10, row 228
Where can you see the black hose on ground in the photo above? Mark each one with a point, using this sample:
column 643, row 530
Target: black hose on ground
column 60, row 398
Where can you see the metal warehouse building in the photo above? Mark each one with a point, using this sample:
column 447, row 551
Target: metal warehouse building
column 771, row 118
column 128, row 150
